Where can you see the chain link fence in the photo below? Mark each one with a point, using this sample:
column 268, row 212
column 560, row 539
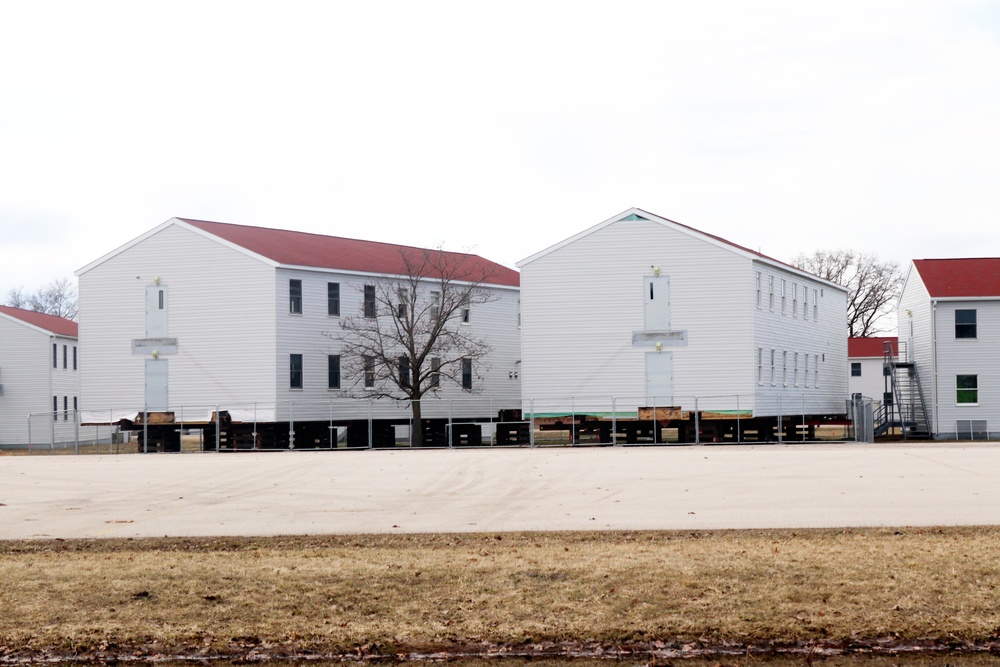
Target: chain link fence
column 471, row 422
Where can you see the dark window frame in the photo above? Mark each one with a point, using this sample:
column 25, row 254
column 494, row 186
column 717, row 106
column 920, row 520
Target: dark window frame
column 333, row 371
column 294, row 296
column 368, row 366
column 966, row 388
column 404, row 372
column 370, row 308
column 467, row 374
column 855, row 369
column 333, row 299
column 967, row 328
column 296, row 372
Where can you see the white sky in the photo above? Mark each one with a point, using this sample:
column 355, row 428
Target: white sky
column 499, row 127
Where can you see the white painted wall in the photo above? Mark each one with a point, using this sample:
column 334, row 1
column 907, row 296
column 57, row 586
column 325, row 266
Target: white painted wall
column 915, row 315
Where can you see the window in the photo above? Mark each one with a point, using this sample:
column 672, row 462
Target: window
column 295, row 296
column 370, row 309
column 333, row 371
column 965, row 323
column 74, row 357
column 404, row 298
column 76, row 405
column 333, row 299
column 369, row 366
column 65, row 408
column 805, row 303
column 795, row 368
column 795, row 299
column 815, row 306
column 466, row 315
column 295, row 371
column 435, row 372
column 55, row 408
column 967, row 389
column 772, row 369
column 784, row 308
column 435, row 305
column 758, row 289
column 55, row 356
column 65, row 356
column 466, row 373
column 784, row 367
column 816, row 368
column 770, row 292
column 805, row 370
column 760, row 365
column 404, row 372
column 855, row 369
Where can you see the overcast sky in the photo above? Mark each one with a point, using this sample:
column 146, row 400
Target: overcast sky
column 499, row 127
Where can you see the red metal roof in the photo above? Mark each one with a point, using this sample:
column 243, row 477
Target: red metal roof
column 59, row 326
column 870, row 347
column 333, row 252
column 975, row 277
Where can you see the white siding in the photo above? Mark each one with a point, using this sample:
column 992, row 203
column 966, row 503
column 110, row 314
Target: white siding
column 220, row 310
column 818, row 329
column 315, row 335
column 871, row 383
column 979, row 356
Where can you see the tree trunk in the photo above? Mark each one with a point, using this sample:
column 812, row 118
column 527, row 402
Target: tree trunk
column 417, row 429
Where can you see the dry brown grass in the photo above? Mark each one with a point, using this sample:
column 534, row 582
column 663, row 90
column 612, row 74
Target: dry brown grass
column 330, row 594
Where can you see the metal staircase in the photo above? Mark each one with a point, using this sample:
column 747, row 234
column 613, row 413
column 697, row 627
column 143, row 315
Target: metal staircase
column 904, row 406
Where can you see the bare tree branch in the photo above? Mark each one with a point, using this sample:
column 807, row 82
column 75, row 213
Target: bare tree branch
column 414, row 342
column 57, row 298
column 872, row 285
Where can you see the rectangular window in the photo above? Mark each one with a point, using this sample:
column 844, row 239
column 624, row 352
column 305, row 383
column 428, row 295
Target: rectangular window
column 55, row 355
column 404, row 299
column 760, row 365
column 404, row 372
column 65, row 356
column 770, row 292
column 805, row 370
column 76, row 405
column 370, row 309
column 333, row 371
column 435, row 372
column 795, row 299
column 795, row 368
column 466, row 373
column 65, row 408
column 815, row 306
column 435, row 305
column 55, row 408
column 784, row 367
column 855, row 369
column 295, row 371
column 466, row 315
column 333, row 299
column 773, row 370
column 784, row 306
column 805, row 303
column 965, row 323
column 295, row 296
column 758, row 289
column 815, row 370
column 74, row 357
column 369, row 366
column 967, row 389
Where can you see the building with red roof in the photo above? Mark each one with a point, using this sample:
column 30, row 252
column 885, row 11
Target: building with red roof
column 949, row 329
column 196, row 316
column 39, row 380
column 867, row 357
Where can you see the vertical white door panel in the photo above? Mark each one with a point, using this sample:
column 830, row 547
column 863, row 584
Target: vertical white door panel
column 657, row 300
column 156, row 311
column 659, row 378
column 156, row 384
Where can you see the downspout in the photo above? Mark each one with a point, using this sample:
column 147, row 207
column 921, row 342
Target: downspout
column 934, row 365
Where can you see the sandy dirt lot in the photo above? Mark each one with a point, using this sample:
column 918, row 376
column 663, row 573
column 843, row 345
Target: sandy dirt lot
column 473, row 490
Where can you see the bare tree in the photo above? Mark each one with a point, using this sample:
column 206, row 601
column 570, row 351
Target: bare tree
column 408, row 340
column 872, row 284
column 57, row 298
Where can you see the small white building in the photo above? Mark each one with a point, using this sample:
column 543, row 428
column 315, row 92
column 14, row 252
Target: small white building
column 193, row 316
column 867, row 358
column 38, row 378
column 641, row 311
column 949, row 320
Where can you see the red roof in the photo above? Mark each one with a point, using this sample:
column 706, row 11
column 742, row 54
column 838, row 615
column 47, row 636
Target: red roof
column 871, row 347
column 59, row 326
column 975, row 277
column 333, row 252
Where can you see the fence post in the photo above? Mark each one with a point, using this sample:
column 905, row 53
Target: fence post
column 29, row 434
column 572, row 421
column 291, row 424
column 655, row 423
column 370, row 445
column 145, row 428
column 531, row 433
column 218, row 429
column 614, row 422
column 697, row 423
column 804, row 429
column 330, row 428
column 738, row 429
column 450, row 401
column 255, row 425
column 781, row 425
column 76, row 431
